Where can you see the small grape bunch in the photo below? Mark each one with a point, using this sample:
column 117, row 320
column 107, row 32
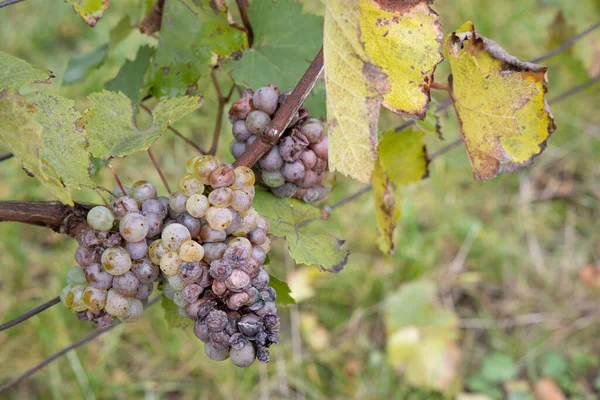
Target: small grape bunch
column 297, row 166
column 115, row 276
column 212, row 259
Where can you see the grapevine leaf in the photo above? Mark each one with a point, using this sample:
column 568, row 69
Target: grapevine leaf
column 377, row 53
column 65, row 144
column 402, row 161
column 90, row 10
column 192, row 33
column 15, row 73
column 285, row 42
column 316, row 7
column 120, row 31
column 422, row 337
column 353, row 100
column 500, row 102
column 80, row 65
column 403, row 38
column 282, row 290
column 172, row 316
column 130, row 78
column 21, row 134
column 306, row 245
column 111, row 125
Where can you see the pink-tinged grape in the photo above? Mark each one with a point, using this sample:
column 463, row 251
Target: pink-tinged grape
column 223, row 176
column 197, row 205
column 116, row 304
column 124, row 205
column 313, row 130
column 97, row 277
column 286, row 190
column 205, row 167
column 94, row 298
column 237, row 281
column 192, row 292
column 320, row 148
column 174, row 235
column 100, row 218
column 72, row 297
column 259, row 254
column 249, row 222
column 126, row 284
column 169, row 263
column 143, row 190
column 218, row 287
column 190, row 184
column 156, row 251
column 272, row 178
column 257, row 121
column 271, row 161
column 134, row 311
column 76, row 276
column 192, row 224
column 293, row 172
column 221, row 197
column 133, row 227
column 119, row 193
column 154, row 206
column 214, row 353
column 116, row 260
column 218, row 218
column 237, row 300
column 155, row 225
column 263, row 223
column 257, row 236
column 84, row 256
column 266, row 99
column 209, row 235
column 189, row 165
column 266, row 245
column 308, row 158
column 251, row 191
column 176, row 282
column 213, row 251
column 241, row 201
column 240, row 248
column 237, row 148
column 250, row 267
column 191, row 251
column 144, row 291
column 241, row 108
column 244, row 178
column 235, row 221
column 168, row 291
column 240, row 131
column 310, row 179
column 137, row 250
column 288, row 149
column 243, row 357
column 177, row 201
column 145, row 271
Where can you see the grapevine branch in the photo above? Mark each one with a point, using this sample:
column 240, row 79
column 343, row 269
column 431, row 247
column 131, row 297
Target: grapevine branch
column 30, row 313
column 72, row 346
column 9, row 3
column 6, row 156
column 284, row 115
column 51, row 214
column 243, row 7
column 152, row 22
column 221, row 108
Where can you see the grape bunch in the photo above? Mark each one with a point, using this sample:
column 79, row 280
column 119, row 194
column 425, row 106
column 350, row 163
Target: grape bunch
column 297, row 166
column 212, row 259
column 115, row 277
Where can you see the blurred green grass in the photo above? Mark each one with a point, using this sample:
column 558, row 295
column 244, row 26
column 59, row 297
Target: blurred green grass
column 495, row 256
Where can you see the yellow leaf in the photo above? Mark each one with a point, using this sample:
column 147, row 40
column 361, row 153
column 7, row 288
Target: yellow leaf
column 377, row 52
column 405, row 40
column 500, row 102
column 402, row 161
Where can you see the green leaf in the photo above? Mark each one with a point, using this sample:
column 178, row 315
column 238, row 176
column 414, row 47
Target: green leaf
column 111, row 127
column 120, row 31
column 21, row 134
column 15, row 73
column 553, row 365
column 80, row 65
column 498, row 367
column 65, row 144
column 90, row 10
column 172, row 316
column 422, row 337
column 190, row 37
column 130, row 78
column 282, row 290
column 306, row 245
column 285, row 42
column 402, row 161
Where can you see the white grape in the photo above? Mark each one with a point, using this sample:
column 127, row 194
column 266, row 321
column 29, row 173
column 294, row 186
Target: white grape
column 174, row 235
column 197, row 205
column 116, row 304
column 94, row 299
column 116, row 260
column 100, row 218
column 76, row 276
column 219, row 218
column 134, row 311
column 170, row 262
column 134, row 227
column 191, row 251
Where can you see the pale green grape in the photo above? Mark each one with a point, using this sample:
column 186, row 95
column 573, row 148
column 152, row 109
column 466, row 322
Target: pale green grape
column 244, row 178
column 191, row 184
column 197, row 205
column 116, row 304
column 156, row 251
column 100, row 218
column 177, row 201
column 76, row 276
column 116, row 260
column 72, row 297
column 134, row 311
